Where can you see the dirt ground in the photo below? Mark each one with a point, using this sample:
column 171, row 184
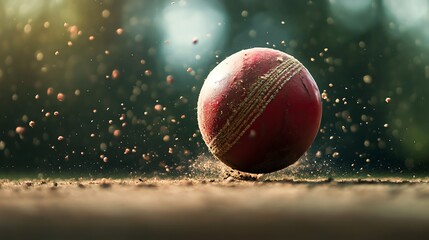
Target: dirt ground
column 214, row 209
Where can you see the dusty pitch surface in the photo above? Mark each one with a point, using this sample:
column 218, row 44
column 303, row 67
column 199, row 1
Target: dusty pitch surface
column 214, row 209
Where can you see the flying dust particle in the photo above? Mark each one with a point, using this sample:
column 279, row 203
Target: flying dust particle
column 367, row 79
column 158, row 107
column 50, row 91
column 105, row 13
column 115, row 73
column 117, row 133
column 169, row 79
column 60, row 97
column 324, row 95
column 146, row 157
column 20, row 130
column 194, row 40
column 119, row 31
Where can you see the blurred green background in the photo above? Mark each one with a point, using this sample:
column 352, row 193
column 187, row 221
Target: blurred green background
column 110, row 87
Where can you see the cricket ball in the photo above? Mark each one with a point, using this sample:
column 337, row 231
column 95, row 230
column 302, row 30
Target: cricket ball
column 259, row 110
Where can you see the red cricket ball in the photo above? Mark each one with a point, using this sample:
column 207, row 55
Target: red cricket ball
column 259, row 110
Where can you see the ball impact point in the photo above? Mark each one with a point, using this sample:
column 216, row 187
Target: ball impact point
column 259, row 110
